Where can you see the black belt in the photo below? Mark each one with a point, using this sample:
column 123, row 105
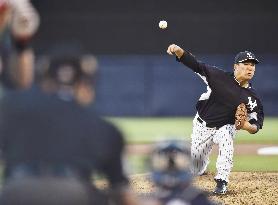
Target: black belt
column 202, row 121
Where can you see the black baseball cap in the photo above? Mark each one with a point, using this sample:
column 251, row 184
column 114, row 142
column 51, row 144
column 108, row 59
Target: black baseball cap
column 245, row 56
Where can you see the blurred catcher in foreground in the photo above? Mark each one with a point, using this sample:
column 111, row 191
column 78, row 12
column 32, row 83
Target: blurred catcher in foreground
column 52, row 145
column 219, row 115
column 170, row 172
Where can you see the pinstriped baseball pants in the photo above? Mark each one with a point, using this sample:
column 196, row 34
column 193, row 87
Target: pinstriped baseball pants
column 203, row 138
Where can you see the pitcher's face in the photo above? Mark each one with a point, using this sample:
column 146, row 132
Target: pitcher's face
column 244, row 71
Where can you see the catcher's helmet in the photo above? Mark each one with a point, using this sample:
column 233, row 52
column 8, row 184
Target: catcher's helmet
column 170, row 164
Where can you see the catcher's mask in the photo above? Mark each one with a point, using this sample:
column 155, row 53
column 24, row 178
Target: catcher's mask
column 170, row 164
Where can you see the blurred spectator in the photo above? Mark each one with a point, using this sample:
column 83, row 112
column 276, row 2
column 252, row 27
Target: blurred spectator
column 170, row 171
column 69, row 76
column 46, row 134
column 18, row 23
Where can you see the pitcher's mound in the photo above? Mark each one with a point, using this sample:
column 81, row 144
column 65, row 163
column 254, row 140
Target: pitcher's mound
column 245, row 188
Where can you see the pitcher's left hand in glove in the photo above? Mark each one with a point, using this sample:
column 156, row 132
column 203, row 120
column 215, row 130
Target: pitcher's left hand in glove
column 240, row 116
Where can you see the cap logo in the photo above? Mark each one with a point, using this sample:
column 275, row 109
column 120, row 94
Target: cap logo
column 249, row 55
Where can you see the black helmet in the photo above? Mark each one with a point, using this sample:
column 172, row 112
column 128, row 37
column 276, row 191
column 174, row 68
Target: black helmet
column 170, row 164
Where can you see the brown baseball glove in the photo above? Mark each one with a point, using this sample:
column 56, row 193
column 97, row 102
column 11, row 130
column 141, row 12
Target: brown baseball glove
column 240, row 116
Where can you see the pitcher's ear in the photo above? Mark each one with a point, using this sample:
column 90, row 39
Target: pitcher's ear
column 235, row 66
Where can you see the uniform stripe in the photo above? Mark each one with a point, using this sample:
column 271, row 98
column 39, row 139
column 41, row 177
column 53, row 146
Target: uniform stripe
column 205, row 95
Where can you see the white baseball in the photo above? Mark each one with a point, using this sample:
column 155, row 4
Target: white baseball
column 162, row 24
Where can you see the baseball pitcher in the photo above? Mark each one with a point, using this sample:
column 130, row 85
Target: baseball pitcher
column 229, row 104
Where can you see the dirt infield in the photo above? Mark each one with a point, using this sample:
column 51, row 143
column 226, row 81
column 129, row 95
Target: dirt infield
column 245, row 188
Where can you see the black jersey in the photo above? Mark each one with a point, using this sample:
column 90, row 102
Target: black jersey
column 37, row 129
column 218, row 105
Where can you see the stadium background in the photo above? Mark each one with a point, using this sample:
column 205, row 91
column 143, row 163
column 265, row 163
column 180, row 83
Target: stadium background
column 136, row 77
column 151, row 97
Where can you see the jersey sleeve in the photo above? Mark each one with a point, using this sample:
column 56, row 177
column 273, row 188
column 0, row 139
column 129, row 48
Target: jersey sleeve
column 205, row 71
column 257, row 116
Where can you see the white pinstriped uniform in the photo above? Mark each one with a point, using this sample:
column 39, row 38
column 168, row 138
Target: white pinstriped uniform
column 216, row 108
column 203, row 138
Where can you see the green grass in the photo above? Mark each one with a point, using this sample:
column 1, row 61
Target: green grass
column 250, row 163
column 268, row 135
column 138, row 163
column 147, row 130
